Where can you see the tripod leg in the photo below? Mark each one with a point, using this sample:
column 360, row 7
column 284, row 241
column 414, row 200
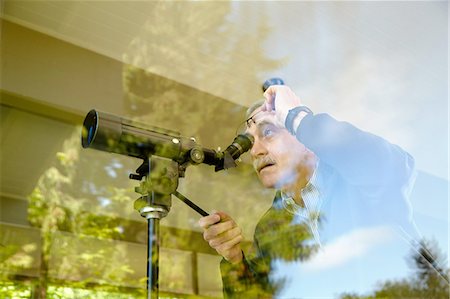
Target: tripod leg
column 152, row 258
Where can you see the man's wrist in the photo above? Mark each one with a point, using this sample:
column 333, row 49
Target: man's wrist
column 236, row 259
column 298, row 120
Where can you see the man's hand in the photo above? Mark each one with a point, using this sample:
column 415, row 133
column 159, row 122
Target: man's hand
column 222, row 234
column 281, row 99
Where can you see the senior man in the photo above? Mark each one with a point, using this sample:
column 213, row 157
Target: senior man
column 340, row 218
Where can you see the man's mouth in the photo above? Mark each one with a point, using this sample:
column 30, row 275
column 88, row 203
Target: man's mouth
column 263, row 163
column 264, row 166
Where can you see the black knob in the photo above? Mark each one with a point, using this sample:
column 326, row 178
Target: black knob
column 272, row 81
column 136, row 177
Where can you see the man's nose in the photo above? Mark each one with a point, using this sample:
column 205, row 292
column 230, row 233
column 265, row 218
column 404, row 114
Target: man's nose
column 258, row 148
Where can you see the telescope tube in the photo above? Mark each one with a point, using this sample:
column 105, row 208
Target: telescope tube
column 111, row 133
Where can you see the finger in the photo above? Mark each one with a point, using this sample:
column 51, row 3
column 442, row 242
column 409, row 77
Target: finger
column 225, row 247
column 215, row 230
column 223, row 216
column 268, row 106
column 209, row 220
column 225, row 237
column 270, row 95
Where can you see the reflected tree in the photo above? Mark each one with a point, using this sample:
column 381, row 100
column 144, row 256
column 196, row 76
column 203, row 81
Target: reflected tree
column 62, row 202
column 429, row 280
column 280, row 237
column 181, row 46
column 73, row 207
column 194, row 44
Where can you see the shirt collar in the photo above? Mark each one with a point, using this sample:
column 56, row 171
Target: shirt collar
column 311, row 196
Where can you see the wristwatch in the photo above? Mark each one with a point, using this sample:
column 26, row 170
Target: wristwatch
column 292, row 114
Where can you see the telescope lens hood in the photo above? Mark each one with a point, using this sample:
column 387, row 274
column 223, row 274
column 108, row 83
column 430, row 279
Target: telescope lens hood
column 90, row 126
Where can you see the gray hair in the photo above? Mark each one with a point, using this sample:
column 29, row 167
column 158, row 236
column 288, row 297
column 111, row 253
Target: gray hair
column 253, row 107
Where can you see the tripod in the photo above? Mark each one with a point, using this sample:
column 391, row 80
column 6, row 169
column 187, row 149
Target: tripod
column 159, row 180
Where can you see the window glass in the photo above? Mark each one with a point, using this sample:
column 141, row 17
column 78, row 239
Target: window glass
column 352, row 204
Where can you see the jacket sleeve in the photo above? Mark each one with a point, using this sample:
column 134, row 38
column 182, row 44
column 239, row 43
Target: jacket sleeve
column 361, row 158
column 250, row 278
column 246, row 279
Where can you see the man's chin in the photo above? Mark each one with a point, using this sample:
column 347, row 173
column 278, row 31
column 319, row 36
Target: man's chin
column 272, row 185
column 267, row 181
column 273, row 179
column 278, row 182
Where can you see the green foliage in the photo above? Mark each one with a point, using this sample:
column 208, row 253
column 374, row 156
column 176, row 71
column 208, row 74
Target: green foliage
column 60, row 292
column 15, row 290
column 430, row 280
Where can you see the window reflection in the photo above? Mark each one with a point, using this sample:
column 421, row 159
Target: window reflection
column 86, row 239
column 68, row 228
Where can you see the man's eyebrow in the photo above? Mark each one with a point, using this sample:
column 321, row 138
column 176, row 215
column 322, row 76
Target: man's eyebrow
column 263, row 123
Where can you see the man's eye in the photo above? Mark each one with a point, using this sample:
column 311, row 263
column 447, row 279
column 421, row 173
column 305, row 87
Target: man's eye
column 267, row 132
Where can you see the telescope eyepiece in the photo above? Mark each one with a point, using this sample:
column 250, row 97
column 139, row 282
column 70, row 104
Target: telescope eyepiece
column 241, row 144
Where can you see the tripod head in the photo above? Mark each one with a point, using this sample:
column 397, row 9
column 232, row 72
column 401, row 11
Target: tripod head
column 160, row 182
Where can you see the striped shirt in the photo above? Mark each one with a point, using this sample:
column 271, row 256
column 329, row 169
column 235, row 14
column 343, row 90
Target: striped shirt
column 310, row 213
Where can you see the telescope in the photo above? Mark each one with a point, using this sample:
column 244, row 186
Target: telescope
column 166, row 155
column 111, row 133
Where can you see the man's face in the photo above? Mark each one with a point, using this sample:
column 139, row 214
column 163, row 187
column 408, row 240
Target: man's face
column 277, row 155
